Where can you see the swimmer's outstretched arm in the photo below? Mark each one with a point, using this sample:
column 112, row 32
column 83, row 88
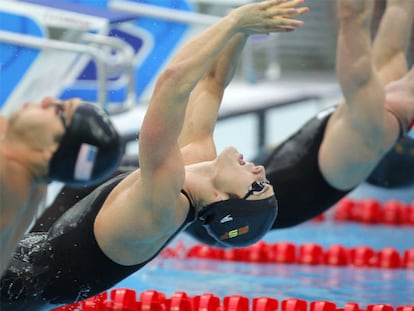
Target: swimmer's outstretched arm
column 360, row 131
column 146, row 208
column 174, row 86
column 393, row 39
column 196, row 139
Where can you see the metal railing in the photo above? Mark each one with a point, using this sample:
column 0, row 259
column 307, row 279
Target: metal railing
column 120, row 62
column 106, row 63
column 43, row 43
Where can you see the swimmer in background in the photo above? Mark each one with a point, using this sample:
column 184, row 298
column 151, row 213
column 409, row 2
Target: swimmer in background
column 338, row 149
column 386, row 66
column 43, row 142
column 127, row 221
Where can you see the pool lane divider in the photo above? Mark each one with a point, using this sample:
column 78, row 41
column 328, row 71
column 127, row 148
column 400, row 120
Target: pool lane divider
column 306, row 254
column 372, row 211
column 124, row 299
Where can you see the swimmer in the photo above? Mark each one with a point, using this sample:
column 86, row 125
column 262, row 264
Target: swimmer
column 128, row 220
column 49, row 141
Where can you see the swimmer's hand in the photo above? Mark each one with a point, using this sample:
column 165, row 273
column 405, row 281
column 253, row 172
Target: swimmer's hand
column 269, row 16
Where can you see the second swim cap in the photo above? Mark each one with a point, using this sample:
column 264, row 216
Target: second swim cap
column 90, row 149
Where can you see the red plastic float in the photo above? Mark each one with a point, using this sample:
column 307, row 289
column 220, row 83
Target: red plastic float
column 309, row 254
column 294, row 304
column 372, row 211
column 322, row 306
column 336, row 255
column 265, row 304
column 283, row 252
column 123, row 299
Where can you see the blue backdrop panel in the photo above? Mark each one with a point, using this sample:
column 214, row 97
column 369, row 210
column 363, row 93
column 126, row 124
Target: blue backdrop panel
column 15, row 60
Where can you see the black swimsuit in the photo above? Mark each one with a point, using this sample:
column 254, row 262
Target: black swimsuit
column 65, row 264
column 293, row 170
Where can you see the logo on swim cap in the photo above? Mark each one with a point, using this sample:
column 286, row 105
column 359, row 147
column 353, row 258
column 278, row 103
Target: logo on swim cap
column 226, row 218
column 234, row 233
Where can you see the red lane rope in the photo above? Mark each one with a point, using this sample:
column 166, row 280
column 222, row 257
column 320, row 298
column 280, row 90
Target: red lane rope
column 372, row 211
column 307, row 253
column 123, row 299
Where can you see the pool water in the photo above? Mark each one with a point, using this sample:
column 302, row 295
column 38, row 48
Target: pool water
column 281, row 281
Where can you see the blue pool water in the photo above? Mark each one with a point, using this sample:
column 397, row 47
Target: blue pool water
column 336, row 284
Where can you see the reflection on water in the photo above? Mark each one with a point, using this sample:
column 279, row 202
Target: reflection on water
column 337, row 284
column 281, row 281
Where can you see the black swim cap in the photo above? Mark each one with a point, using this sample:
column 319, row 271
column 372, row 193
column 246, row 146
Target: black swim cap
column 90, row 149
column 237, row 222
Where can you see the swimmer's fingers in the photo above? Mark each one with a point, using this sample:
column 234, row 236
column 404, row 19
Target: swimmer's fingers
column 281, row 4
column 285, row 23
column 281, row 23
column 282, row 14
column 269, row 16
column 290, row 4
column 295, row 12
column 286, row 8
